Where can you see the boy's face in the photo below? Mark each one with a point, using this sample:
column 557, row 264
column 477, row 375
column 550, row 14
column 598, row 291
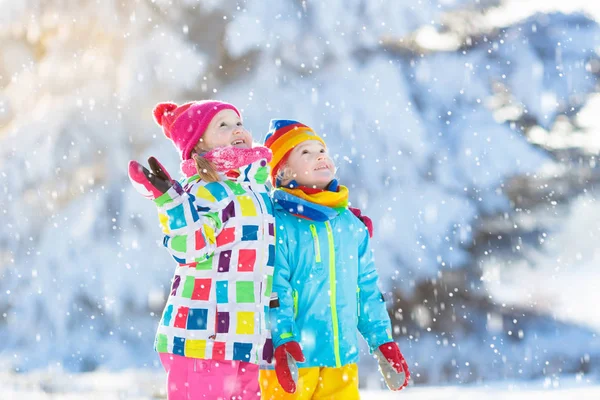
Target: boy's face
column 310, row 165
column 226, row 129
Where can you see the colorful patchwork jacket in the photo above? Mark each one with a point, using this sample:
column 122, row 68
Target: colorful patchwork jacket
column 221, row 235
column 326, row 286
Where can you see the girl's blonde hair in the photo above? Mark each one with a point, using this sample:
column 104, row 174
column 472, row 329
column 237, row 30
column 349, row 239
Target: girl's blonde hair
column 206, row 169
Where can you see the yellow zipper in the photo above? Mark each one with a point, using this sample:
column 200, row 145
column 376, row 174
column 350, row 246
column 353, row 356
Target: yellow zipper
column 313, row 230
column 295, row 297
column 332, row 289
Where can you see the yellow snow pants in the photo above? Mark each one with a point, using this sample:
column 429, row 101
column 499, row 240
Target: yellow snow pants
column 314, row 383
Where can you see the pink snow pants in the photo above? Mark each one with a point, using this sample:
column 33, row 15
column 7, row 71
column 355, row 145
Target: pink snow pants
column 193, row 378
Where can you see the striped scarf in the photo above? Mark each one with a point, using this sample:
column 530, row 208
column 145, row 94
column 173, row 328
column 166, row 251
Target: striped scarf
column 314, row 204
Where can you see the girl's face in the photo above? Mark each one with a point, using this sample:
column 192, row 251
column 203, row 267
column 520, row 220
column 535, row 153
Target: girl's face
column 225, row 129
column 310, row 165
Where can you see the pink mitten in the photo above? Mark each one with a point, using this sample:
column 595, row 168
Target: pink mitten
column 149, row 184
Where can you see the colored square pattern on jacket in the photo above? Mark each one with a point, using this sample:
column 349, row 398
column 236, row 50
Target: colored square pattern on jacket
column 224, row 260
column 235, row 187
column 228, row 212
column 218, row 351
column 244, row 292
column 188, row 287
column 245, row 323
column 269, row 285
column 268, row 350
column 175, row 285
column 217, row 190
column 181, row 317
column 250, row 232
column 241, row 351
column 204, row 265
column 222, row 292
column 165, row 198
column 204, row 193
column 209, row 232
column 271, row 229
column 195, row 348
column 224, row 276
column 176, row 217
column 247, row 206
column 226, row 236
column 167, row 315
column 222, row 322
column 201, row 289
column 180, row 261
column 246, row 260
column 161, row 343
column 197, row 319
column 163, row 220
column 262, row 174
column 179, row 243
column 200, row 242
column 271, row 259
column 179, row 346
column 192, row 208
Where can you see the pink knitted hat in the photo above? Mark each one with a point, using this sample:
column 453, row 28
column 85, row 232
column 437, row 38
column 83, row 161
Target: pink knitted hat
column 186, row 124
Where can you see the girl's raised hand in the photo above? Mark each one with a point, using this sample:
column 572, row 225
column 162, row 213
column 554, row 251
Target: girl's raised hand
column 149, row 184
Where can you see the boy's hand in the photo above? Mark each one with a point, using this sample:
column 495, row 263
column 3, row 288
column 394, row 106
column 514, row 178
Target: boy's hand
column 392, row 366
column 286, row 369
column 149, row 184
column 365, row 220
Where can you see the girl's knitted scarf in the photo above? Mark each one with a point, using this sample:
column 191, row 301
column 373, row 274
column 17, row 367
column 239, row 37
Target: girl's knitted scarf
column 314, row 204
column 228, row 159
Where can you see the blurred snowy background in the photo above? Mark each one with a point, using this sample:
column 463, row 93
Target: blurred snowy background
column 467, row 129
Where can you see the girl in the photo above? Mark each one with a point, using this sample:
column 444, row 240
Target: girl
column 219, row 228
column 325, row 282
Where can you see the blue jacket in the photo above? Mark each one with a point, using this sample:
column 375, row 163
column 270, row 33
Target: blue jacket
column 326, row 284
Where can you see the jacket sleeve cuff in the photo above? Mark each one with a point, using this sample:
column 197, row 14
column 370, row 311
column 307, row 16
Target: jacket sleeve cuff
column 174, row 192
column 378, row 338
column 283, row 338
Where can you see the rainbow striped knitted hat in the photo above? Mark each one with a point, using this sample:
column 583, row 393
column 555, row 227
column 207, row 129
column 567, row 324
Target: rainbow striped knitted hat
column 283, row 136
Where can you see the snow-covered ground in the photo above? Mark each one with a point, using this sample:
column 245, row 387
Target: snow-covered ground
column 141, row 385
